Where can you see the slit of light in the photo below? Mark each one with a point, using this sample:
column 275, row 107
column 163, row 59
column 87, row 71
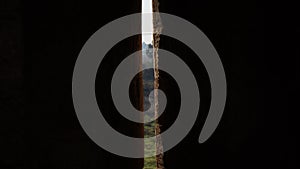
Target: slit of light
column 148, row 81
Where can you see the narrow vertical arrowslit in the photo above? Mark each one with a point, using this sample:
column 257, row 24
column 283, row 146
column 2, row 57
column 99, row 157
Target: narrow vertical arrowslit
column 151, row 29
column 148, row 82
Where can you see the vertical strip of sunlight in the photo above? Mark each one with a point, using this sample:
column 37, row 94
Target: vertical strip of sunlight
column 148, row 80
column 147, row 22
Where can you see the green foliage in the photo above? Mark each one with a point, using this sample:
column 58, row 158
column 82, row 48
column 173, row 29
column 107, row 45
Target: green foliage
column 150, row 163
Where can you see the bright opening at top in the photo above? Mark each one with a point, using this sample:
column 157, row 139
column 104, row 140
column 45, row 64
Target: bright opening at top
column 147, row 22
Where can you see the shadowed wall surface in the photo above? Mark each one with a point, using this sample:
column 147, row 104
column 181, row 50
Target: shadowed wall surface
column 39, row 44
column 55, row 32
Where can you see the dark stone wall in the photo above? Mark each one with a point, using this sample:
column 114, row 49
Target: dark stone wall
column 258, row 45
column 39, row 44
column 254, row 41
column 12, row 100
